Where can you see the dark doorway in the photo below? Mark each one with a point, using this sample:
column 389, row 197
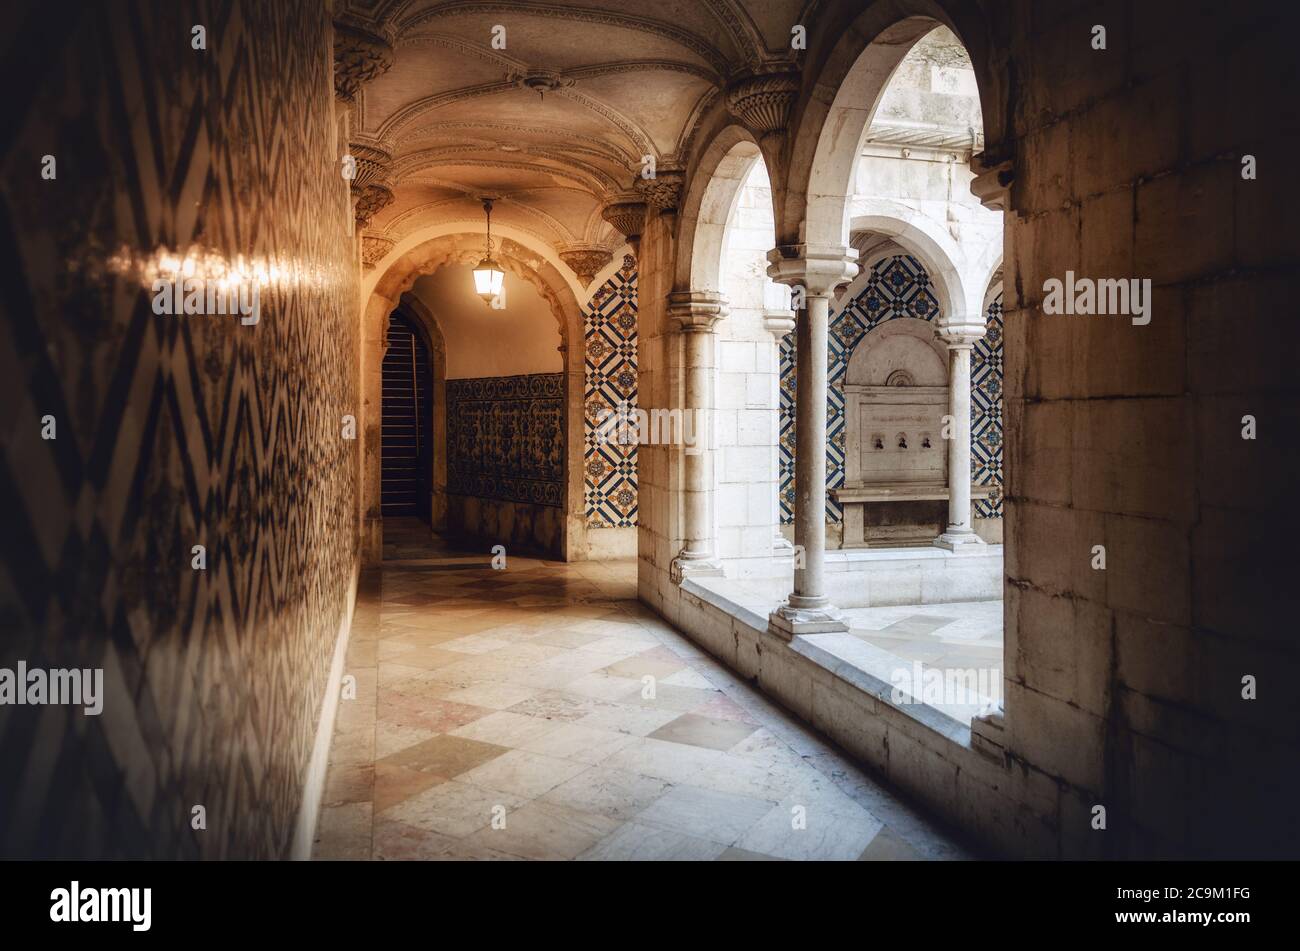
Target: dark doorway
column 407, row 442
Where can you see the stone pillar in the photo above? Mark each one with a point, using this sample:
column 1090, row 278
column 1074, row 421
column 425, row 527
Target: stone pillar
column 778, row 322
column 817, row 271
column 959, row 334
column 696, row 313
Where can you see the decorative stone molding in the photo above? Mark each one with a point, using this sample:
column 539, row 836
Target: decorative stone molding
column 373, row 161
column 818, row 270
column 992, row 183
column 586, row 260
column 374, row 248
column 370, row 188
column 540, row 81
column 763, row 102
column 370, row 201
column 664, row 191
column 359, row 57
column 788, row 621
column 959, row 330
column 696, row 311
column 626, row 213
column 778, row 322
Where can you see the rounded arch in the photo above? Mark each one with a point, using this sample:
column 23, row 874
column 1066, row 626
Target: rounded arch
column 857, row 54
column 920, row 237
column 711, row 191
column 467, row 248
column 992, row 283
column 530, row 248
column 459, row 245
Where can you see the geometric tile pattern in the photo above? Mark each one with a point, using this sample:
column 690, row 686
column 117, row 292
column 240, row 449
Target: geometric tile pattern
column 172, row 431
column 505, row 438
column 897, row 287
column 986, row 411
column 610, row 387
column 505, row 715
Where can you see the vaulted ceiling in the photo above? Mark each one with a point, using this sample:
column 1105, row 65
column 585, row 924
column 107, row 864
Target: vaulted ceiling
column 548, row 106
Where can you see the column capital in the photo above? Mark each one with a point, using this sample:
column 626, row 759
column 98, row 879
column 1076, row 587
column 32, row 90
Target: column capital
column 696, row 311
column 762, row 100
column 959, row 332
column 778, row 322
column 664, row 191
column 360, row 55
column 818, row 269
column 586, row 260
column 374, row 248
column 625, row 213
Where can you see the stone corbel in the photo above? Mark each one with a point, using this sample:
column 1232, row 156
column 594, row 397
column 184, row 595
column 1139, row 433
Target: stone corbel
column 992, row 183
column 664, row 191
column 374, row 248
column 586, row 260
column 778, row 323
column 696, row 311
column 359, row 57
column 763, row 101
column 371, row 192
column 626, row 214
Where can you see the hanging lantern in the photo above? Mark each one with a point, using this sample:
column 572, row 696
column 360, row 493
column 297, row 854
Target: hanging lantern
column 488, row 276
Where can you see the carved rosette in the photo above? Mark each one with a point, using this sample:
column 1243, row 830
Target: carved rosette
column 586, row 261
column 373, row 249
column 626, row 214
column 664, row 191
column 763, row 102
column 359, row 56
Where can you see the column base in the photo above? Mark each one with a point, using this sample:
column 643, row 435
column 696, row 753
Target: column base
column 684, row 567
column 958, row 541
column 788, row 622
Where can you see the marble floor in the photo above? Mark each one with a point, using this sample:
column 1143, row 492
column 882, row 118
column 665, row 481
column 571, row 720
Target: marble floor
column 541, row 712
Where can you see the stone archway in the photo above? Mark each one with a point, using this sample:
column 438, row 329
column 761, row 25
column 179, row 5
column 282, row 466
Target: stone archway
column 466, row 248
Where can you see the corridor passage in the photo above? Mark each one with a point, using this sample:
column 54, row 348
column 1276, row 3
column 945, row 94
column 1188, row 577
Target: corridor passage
column 540, row 712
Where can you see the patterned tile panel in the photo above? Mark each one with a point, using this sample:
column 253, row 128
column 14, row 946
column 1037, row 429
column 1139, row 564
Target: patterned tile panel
column 986, row 411
column 505, row 438
column 172, row 431
column 898, row 287
column 610, row 388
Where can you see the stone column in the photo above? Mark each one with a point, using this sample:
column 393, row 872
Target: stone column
column 817, row 271
column 696, row 313
column 778, row 322
column 959, row 334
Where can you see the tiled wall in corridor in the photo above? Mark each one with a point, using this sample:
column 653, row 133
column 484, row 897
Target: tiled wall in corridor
column 611, row 368
column 173, row 431
column 505, row 438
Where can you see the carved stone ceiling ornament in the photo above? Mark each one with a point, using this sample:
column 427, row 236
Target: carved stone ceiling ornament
column 374, row 248
column 359, row 57
column 586, row 261
column 763, row 101
column 551, row 106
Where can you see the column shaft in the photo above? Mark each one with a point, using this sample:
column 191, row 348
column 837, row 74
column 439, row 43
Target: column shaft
column 959, row 521
column 810, row 454
column 697, row 474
